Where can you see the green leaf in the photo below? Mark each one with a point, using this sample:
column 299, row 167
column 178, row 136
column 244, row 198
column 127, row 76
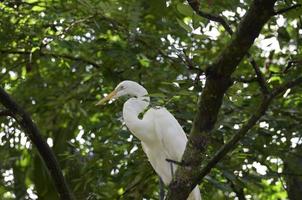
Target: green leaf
column 184, row 25
column 38, row 8
column 185, row 9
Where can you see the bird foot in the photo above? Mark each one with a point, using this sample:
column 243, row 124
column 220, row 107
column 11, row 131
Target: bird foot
column 175, row 162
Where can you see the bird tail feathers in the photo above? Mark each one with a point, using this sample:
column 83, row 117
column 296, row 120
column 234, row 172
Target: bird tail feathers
column 195, row 194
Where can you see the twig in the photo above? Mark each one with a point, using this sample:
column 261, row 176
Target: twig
column 75, row 58
column 282, row 88
column 32, row 131
column 189, row 63
column 292, row 63
column 261, row 80
column 237, row 189
column 284, row 10
column 133, row 185
column 216, row 18
column 64, row 31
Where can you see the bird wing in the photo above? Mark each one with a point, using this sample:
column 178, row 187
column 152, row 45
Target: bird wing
column 170, row 133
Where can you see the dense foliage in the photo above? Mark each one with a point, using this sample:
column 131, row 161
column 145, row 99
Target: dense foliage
column 59, row 57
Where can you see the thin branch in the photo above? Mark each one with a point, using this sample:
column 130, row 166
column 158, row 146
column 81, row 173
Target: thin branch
column 285, row 86
column 64, row 31
column 279, row 175
column 231, row 144
column 291, row 115
column 75, row 58
column 284, row 10
column 32, row 131
column 133, row 185
column 216, row 18
column 13, row 51
column 260, row 78
column 292, row 63
column 239, row 191
column 66, row 56
column 183, row 59
column 189, row 63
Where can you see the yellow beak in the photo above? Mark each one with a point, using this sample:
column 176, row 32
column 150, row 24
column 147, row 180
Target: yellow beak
column 107, row 98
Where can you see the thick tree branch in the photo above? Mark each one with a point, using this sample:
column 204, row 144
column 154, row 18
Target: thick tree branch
column 32, row 131
column 5, row 113
column 217, row 82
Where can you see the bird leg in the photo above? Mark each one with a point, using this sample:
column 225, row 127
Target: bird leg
column 171, row 168
column 161, row 189
column 171, row 165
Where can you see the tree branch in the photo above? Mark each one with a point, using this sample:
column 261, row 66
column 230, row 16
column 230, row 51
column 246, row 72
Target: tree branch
column 75, row 58
column 292, row 63
column 66, row 56
column 282, row 88
column 237, row 189
column 231, row 144
column 217, row 82
column 65, row 30
column 261, row 80
column 216, row 18
column 32, row 131
column 284, row 10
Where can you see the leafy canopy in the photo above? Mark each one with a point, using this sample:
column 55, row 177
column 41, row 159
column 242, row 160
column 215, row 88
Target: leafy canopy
column 59, row 57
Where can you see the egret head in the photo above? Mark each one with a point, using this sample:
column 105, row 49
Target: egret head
column 130, row 88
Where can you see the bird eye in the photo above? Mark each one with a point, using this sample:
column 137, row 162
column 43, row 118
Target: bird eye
column 121, row 87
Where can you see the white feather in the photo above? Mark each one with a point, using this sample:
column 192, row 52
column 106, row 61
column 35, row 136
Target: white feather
column 161, row 135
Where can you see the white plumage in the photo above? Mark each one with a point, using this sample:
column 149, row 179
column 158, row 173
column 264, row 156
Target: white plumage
column 160, row 134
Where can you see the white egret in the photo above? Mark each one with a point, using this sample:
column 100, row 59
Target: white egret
column 160, row 134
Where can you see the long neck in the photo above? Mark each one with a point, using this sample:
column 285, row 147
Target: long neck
column 131, row 110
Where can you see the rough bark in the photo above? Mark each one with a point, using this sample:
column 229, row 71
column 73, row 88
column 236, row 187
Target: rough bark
column 32, row 131
column 217, row 82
